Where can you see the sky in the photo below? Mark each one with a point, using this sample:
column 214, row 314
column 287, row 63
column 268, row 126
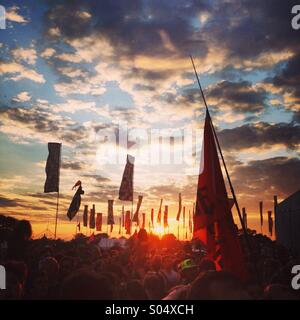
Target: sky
column 78, row 72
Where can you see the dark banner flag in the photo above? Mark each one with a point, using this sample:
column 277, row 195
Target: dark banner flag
column 52, row 167
column 127, row 222
column 76, row 201
column 166, row 212
column 85, row 215
column 110, row 213
column 144, row 220
column 261, row 213
column 183, row 217
column 92, row 223
column 138, row 206
column 99, row 222
column 152, row 217
column 244, row 213
column 123, row 217
column 120, row 225
column 159, row 212
column 126, row 187
column 213, row 210
column 190, row 222
column 270, row 223
column 179, row 207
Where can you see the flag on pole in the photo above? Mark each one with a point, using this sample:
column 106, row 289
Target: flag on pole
column 166, row 212
column 144, row 220
column 159, row 212
column 76, row 201
column 110, row 213
column 213, row 222
column 52, row 167
column 78, row 226
column 261, row 213
column 85, row 215
column 123, row 217
column 127, row 222
column 190, row 222
column 245, row 217
column 183, row 216
column 138, row 206
column 179, row 207
column 270, row 223
column 152, row 217
column 92, row 222
column 99, row 222
column 126, row 187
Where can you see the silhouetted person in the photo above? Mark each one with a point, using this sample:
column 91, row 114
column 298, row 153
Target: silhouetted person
column 18, row 241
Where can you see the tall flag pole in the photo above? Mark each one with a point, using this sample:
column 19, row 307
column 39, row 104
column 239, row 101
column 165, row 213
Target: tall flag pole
column 261, row 216
column 152, row 218
column 178, row 213
column 275, row 213
column 138, row 206
column 76, row 201
column 53, row 174
column 110, row 214
column 99, row 222
column 183, row 222
column 270, row 223
column 166, row 212
column 245, row 217
column 126, row 187
column 212, row 205
column 159, row 212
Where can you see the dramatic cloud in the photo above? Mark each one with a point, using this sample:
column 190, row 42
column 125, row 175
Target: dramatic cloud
column 267, row 177
column 260, row 134
column 240, row 96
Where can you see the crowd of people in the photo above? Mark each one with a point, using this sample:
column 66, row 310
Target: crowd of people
column 147, row 268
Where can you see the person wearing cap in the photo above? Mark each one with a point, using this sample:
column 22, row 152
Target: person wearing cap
column 188, row 270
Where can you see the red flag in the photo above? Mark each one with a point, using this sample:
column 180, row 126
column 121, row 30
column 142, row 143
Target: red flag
column 179, row 208
column 126, row 187
column 152, row 217
column 127, row 222
column 166, row 217
column 85, row 215
column 213, row 222
column 144, row 220
column 99, row 222
column 159, row 212
column 136, row 214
